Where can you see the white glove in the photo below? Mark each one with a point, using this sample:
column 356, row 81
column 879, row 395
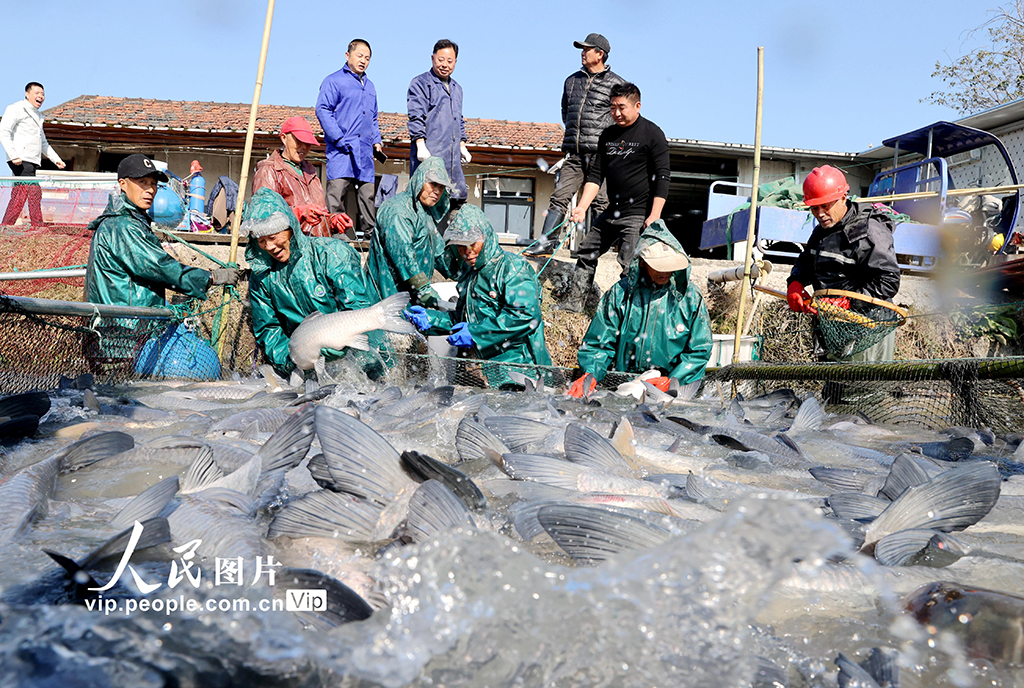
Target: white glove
column 421, row 150
column 466, row 157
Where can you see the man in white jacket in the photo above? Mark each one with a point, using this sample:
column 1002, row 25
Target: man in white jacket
column 22, row 138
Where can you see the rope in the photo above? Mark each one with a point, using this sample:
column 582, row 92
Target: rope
column 557, row 248
column 200, row 251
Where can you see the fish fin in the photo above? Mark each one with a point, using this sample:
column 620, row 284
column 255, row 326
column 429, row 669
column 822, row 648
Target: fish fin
column 473, row 437
column 148, row 503
column 311, row 386
column 809, row 417
column 317, row 467
column 776, row 416
column 175, row 442
column 155, row 531
column 591, row 535
column 434, row 509
column 95, row 448
column 1018, row 453
column 273, row 380
column 730, row 443
column 83, row 581
column 326, row 514
column 202, row 473
column 788, row 441
column 90, row 402
column 676, row 444
column 424, row 468
column 344, row 605
column 517, row 433
column 361, row 461
column 856, row 506
column 853, row 675
column 226, row 498
column 904, row 473
column 624, row 442
column 735, row 409
column 251, row 432
column 320, row 368
column 524, row 520
column 391, row 316
column 587, row 448
column 360, row 342
column 14, row 429
column 953, row 500
column 688, row 391
column 288, row 446
column 296, row 379
column 881, row 664
column 898, row 548
column 690, row 425
column 841, row 479
column 25, row 404
column 543, row 469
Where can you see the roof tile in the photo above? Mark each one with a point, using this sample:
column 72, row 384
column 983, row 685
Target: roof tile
column 198, row 115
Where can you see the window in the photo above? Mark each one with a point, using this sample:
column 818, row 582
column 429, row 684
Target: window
column 508, row 204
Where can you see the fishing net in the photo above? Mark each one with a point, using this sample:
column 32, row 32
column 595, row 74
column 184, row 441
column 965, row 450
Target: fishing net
column 849, row 322
column 969, row 392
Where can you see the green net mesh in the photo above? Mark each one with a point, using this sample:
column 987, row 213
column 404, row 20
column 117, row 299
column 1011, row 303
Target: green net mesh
column 846, row 332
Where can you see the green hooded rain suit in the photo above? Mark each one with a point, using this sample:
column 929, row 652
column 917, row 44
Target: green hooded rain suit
column 639, row 326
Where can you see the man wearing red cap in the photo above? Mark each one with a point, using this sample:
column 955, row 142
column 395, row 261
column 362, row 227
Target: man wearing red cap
column 850, row 249
column 287, row 172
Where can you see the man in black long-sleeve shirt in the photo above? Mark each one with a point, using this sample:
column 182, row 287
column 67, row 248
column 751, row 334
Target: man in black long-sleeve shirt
column 632, row 158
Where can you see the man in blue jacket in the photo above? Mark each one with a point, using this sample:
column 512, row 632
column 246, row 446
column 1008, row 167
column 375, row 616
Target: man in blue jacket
column 436, row 125
column 347, row 110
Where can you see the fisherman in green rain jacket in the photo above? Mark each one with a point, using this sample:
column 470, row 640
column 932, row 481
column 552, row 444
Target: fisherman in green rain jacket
column 651, row 318
column 294, row 275
column 406, row 247
column 498, row 316
column 127, row 264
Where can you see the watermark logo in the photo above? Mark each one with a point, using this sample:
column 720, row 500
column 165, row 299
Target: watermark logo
column 305, row 600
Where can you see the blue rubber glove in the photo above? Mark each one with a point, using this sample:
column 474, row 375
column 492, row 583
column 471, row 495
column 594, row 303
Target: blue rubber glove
column 417, row 315
column 460, row 336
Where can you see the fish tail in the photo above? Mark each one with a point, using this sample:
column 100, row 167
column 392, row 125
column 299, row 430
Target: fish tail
column 391, row 314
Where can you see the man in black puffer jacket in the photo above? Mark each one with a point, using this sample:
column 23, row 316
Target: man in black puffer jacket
column 585, row 114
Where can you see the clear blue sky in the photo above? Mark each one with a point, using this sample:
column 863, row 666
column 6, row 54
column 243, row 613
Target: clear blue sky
column 838, row 76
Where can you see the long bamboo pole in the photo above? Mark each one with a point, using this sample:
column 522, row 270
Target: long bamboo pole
column 753, row 208
column 975, row 191
column 243, row 183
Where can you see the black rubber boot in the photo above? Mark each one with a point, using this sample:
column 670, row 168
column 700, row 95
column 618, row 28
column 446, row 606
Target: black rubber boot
column 548, row 241
column 579, row 288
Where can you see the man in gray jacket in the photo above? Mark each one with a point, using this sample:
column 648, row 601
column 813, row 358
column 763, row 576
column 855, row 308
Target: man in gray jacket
column 585, row 114
column 22, row 138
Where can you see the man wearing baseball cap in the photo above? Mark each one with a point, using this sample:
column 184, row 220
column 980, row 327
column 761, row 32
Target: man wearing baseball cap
column 127, row 265
column 652, row 318
column 288, row 173
column 585, row 113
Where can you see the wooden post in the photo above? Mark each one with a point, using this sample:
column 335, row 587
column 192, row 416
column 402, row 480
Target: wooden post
column 244, row 180
column 745, row 286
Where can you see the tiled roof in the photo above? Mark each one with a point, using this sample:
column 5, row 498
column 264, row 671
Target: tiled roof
column 183, row 115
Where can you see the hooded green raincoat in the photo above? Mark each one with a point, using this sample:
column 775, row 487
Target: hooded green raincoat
column 500, row 299
column 128, row 266
column 406, row 247
column 321, row 275
column 639, row 326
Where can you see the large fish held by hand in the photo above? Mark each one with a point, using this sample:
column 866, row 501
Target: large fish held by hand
column 345, row 329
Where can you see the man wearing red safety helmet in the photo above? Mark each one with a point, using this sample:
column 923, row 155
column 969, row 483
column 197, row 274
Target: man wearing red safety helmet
column 850, row 248
column 287, row 172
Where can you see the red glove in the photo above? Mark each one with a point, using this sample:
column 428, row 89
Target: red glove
column 310, row 214
column 837, row 301
column 799, row 300
column 582, row 387
column 661, row 383
column 339, row 222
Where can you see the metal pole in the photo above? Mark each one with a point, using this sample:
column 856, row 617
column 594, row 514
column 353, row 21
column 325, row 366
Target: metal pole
column 753, row 209
column 41, row 274
column 244, row 179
